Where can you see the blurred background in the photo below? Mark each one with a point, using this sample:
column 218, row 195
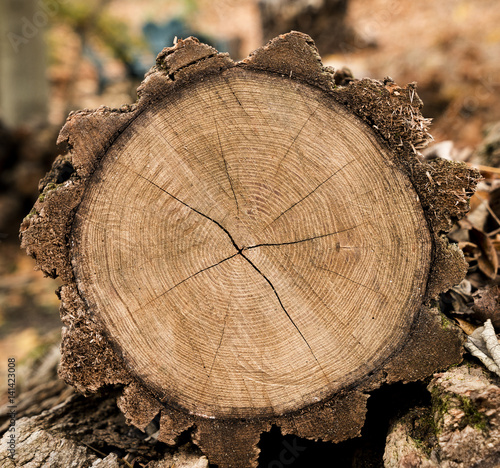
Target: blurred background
column 62, row 55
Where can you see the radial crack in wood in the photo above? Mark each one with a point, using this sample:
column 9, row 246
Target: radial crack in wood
column 240, row 249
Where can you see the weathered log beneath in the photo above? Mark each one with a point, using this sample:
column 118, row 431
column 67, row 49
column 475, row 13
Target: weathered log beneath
column 57, row 428
column 91, row 432
column 461, row 429
column 77, row 432
column 251, row 245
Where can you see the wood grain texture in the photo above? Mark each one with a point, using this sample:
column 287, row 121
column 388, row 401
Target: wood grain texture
column 243, row 258
column 251, row 245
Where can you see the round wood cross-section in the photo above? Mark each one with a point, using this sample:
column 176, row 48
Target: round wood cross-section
column 250, row 246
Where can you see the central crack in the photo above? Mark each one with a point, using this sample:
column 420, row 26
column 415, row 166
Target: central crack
column 268, row 281
column 240, row 251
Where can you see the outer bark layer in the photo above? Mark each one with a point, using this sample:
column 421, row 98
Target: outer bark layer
column 265, row 141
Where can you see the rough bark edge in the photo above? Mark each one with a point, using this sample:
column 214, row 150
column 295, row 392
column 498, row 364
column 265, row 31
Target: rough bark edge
column 394, row 114
column 293, row 55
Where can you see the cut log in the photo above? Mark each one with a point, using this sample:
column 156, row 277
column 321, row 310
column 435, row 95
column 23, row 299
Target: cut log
column 251, row 245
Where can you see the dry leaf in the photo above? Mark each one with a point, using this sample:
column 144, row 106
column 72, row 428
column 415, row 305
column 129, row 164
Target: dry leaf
column 483, row 344
column 492, row 222
column 471, row 251
column 467, row 327
column 488, row 261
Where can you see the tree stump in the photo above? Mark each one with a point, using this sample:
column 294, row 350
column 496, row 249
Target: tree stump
column 251, row 245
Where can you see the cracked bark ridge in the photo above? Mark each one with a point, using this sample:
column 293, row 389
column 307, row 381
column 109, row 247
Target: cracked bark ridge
column 72, row 433
column 250, row 245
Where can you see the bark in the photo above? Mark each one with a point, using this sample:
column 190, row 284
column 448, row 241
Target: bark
column 56, row 427
column 251, row 245
column 52, row 440
column 461, row 429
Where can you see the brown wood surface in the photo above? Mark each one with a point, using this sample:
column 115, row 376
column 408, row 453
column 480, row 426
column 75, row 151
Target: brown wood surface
column 249, row 254
column 251, row 245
